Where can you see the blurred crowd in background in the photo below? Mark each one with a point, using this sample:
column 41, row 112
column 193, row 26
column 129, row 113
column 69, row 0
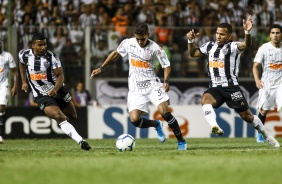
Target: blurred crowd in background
column 64, row 22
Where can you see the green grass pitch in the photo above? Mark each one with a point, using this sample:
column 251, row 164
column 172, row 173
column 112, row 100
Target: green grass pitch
column 207, row 161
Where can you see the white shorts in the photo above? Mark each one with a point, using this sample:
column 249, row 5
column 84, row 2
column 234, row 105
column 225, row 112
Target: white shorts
column 141, row 101
column 269, row 99
column 4, row 94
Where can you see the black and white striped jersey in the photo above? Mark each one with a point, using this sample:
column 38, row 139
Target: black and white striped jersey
column 39, row 71
column 223, row 63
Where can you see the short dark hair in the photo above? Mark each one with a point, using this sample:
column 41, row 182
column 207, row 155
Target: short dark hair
column 226, row 25
column 38, row 36
column 141, row 29
column 278, row 26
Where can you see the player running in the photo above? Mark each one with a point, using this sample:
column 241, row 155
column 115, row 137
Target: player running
column 144, row 85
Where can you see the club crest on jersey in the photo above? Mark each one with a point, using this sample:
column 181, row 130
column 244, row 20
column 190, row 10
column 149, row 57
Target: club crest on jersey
column 46, row 64
column 224, row 51
column 148, row 54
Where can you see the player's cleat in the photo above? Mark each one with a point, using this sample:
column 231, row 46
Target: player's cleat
column 272, row 142
column 260, row 138
column 84, row 145
column 1, row 140
column 217, row 130
column 182, row 145
column 160, row 132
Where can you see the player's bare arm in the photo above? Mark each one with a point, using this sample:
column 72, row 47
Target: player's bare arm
column 23, row 77
column 256, row 68
column 167, row 71
column 192, row 49
column 113, row 56
column 59, row 83
column 247, row 25
column 14, row 89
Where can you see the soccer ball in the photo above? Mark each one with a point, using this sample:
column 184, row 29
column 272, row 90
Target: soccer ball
column 125, row 142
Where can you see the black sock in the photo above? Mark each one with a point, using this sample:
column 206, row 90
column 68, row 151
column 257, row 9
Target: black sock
column 262, row 118
column 173, row 124
column 145, row 123
column 2, row 123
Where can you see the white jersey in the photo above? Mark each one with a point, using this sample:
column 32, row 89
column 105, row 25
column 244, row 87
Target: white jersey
column 6, row 62
column 142, row 76
column 223, row 65
column 39, row 72
column 270, row 58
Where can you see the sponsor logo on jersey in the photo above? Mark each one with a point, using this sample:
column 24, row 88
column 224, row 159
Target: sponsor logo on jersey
column 139, row 64
column 275, row 66
column 38, row 76
column 216, row 64
column 143, row 84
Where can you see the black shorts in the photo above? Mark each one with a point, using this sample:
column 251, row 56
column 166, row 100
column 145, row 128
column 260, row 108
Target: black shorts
column 62, row 99
column 233, row 96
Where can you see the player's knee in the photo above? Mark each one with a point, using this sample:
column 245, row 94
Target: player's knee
column 59, row 117
column 207, row 99
column 134, row 117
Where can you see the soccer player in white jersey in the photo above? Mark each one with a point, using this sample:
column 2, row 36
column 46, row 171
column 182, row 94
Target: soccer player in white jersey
column 44, row 73
column 269, row 60
column 144, row 85
column 223, row 68
column 7, row 64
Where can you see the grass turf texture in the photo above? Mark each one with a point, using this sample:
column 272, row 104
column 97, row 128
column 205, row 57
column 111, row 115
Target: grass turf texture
column 214, row 160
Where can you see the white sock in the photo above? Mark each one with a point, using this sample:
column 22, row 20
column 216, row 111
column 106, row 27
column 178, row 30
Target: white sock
column 210, row 114
column 257, row 124
column 70, row 131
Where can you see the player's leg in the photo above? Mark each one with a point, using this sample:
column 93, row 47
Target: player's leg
column 160, row 99
column 138, row 121
column 51, row 109
column 70, row 111
column 211, row 99
column 173, row 124
column 256, row 123
column 4, row 93
column 2, row 122
column 262, row 116
column 65, row 103
column 278, row 100
column 266, row 102
column 138, row 105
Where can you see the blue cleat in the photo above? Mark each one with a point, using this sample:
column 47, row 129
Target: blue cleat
column 182, row 145
column 260, row 138
column 160, row 132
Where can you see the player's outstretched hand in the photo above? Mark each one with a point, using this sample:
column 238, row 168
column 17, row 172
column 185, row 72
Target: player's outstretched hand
column 191, row 35
column 248, row 24
column 95, row 72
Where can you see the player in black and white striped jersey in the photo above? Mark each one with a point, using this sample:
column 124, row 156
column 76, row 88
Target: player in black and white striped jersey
column 269, row 59
column 223, row 68
column 43, row 71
